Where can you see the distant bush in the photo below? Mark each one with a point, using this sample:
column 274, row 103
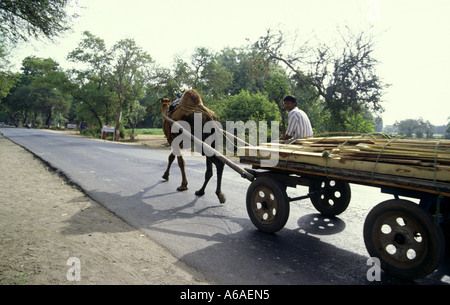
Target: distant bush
column 92, row 132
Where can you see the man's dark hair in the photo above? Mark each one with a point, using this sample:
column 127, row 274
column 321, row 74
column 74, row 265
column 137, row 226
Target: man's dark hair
column 290, row 98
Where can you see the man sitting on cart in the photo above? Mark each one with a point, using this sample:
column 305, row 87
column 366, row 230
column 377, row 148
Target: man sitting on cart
column 299, row 125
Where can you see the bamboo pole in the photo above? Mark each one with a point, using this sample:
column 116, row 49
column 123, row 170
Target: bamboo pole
column 209, row 151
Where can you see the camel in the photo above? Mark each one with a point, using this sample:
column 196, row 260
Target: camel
column 189, row 104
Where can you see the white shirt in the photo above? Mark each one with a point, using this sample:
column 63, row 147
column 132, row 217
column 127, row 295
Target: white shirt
column 299, row 125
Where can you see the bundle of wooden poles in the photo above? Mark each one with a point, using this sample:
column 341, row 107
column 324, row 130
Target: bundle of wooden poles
column 383, row 150
column 418, row 158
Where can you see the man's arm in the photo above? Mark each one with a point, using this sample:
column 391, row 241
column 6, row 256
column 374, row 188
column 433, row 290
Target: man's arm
column 292, row 121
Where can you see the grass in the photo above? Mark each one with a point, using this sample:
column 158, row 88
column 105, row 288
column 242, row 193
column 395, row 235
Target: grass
column 20, row 280
column 151, row 131
column 96, row 133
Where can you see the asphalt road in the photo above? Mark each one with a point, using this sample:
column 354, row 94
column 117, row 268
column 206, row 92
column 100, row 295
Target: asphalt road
column 218, row 240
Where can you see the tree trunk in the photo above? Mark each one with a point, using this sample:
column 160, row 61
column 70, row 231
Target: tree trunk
column 132, row 122
column 49, row 118
column 119, row 117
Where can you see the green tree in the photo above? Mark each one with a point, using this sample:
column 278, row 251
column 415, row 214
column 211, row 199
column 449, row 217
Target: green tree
column 7, row 78
column 344, row 78
column 130, row 68
column 50, row 87
column 95, row 103
column 50, row 102
column 95, row 100
column 43, row 89
column 205, row 73
column 199, row 61
column 277, row 88
column 216, row 79
column 19, row 106
column 359, row 122
column 407, row 127
column 417, row 127
column 425, row 128
column 237, row 62
column 137, row 114
column 21, row 19
column 246, row 106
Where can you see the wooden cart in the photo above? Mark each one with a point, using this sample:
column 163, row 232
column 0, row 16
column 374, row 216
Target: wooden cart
column 405, row 236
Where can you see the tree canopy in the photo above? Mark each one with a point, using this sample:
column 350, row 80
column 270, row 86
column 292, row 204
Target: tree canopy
column 337, row 86
column 22, row 19
column 342, row 76
column 41, row 95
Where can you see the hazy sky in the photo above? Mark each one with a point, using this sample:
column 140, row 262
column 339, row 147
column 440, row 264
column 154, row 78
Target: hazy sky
column 412, row 37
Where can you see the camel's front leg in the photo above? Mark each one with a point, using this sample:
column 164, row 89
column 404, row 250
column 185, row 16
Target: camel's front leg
column 167, row 172
column 184, row 182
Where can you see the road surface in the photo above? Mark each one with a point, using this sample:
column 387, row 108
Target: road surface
column 218, row 240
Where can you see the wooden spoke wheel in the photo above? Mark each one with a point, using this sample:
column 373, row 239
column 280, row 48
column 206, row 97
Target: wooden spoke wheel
column 267, row 204
column 330, row 197
column 405, row 239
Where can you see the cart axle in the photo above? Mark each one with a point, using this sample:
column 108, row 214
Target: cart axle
column 300, row 197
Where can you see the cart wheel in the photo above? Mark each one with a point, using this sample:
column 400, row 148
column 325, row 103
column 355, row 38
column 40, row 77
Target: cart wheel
column 330, row 197
column 267, row 204
column 403, row 236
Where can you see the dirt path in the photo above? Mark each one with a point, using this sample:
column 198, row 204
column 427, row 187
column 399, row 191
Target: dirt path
column 51, row 233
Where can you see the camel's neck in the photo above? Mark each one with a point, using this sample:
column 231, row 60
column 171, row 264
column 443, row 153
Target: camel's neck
column 164, row 108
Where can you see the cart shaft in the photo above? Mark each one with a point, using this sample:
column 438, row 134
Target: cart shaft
column 209, row 151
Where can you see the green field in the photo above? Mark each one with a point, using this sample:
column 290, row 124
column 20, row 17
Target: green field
column 152, row 131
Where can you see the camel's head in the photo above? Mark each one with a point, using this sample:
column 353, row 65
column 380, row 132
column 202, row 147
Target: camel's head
column 165, row 103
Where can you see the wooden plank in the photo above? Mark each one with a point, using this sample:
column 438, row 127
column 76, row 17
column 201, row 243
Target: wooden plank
column 386, row 160
column 392, row 157
column 397, row 151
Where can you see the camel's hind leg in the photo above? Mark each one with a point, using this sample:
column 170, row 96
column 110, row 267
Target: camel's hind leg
column 208, row 175
column 219, row 167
